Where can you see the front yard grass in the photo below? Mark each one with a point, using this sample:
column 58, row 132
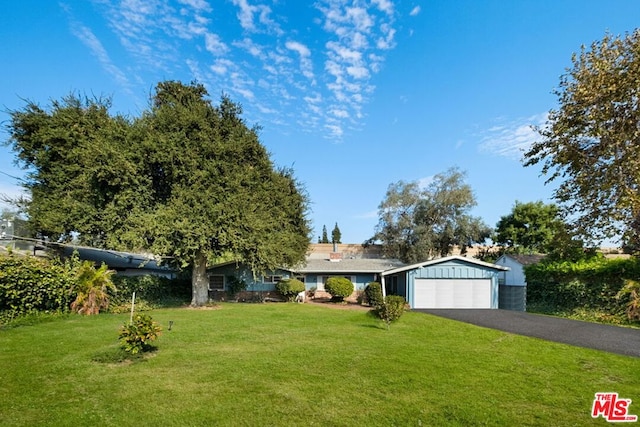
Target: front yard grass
column 302, row 364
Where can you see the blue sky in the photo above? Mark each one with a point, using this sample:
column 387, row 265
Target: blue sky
column 354, row 95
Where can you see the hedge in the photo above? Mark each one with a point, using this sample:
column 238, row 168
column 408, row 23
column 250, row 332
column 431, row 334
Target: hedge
column 34, row 284
column 592, row 283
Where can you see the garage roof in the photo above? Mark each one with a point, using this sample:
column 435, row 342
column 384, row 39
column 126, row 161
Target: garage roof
column 445, row 259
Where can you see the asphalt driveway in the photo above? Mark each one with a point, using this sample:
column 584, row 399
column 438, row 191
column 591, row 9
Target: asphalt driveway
column 614, row 339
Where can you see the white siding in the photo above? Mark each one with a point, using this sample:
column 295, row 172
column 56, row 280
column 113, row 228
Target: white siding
column 515, row 276
column 452, row 293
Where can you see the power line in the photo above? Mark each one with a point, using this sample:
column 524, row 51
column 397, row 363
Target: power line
column 14, row 177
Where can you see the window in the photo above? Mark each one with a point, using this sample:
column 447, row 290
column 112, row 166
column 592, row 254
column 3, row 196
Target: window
column 271, row 279
column 216, row 282
column 393, row 285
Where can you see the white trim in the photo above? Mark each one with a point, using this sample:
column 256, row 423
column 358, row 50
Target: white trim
column 441, row 260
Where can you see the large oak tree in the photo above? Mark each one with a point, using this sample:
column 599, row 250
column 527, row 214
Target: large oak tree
column 187, row 180
column 590, row 144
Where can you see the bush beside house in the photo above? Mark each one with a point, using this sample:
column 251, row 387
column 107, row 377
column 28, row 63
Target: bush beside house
column 373, row 294
column 339, row 288
column 290, row 288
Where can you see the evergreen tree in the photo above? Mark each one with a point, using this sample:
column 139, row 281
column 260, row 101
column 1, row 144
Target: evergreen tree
column 187, row 180
column 325, row 237
column 336, row 235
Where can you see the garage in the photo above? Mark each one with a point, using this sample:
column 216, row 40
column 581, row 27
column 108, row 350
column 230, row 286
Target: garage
column 449, row 282
column 453, row 293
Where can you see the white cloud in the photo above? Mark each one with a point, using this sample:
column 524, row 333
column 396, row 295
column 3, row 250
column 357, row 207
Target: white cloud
column 415, row 11
column 331, row 73
column 301, row 49
column 384, row 5
column 511, row 139
column 335, row 131
column 247, row 13
column 358, row 72
column 221, row 66
column 86, row 36
column 343, row 114
column 214, row 45
column 200, row 5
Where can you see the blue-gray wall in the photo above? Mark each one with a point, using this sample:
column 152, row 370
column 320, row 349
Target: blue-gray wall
column 310, row 280
column 452, row 269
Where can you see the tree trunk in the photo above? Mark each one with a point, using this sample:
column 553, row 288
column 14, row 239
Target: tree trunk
column 199, row 281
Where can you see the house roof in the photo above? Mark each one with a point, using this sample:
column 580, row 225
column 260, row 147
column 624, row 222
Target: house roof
column 348, row 265
column 445, row 259
column 526, row 259
column 113, row 259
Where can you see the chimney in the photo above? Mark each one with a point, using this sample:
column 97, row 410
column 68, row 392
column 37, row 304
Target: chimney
column 335, row 256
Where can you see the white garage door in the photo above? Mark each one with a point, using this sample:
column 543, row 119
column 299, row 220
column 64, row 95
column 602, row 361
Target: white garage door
column 452, row 293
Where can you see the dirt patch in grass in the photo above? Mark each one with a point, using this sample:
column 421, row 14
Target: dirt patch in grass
column 347, row 305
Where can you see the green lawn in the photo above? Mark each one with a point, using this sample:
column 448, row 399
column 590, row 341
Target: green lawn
column 293, row 364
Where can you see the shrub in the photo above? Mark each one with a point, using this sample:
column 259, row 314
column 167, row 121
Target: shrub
column 235, row 286
column 30, row 284
column 391, row 309
column 91, row 289
column 631, row 290
column 373, row 291
column 150, row 289
column 339, row 287
column 137, row 335
column 289, row 288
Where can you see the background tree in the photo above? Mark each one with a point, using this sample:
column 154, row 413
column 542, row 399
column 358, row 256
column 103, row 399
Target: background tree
column 325, row 237
column 529, row 228
column 336, row 235
column 417, row 224
column 187, row 180
column 590, row 143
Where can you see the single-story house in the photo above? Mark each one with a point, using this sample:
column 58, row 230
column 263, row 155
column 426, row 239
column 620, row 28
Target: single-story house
column 450, row 282
column 314, row 273
column 513, row 283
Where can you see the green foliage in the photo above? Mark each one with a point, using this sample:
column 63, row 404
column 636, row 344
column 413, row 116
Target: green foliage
column 631, row 291
column 529, row 228
column 92, row 289
column 590, row 143
column 336, row 234
column 373, row 292
column 150, row 291
column 187, row 180
column 416, row 224
column 339, row 287
column 289, row 288
column 325, row 237
column 595, row 283
column 391, row 309
column 136, row 336
column 235, row 286
column 30, row 284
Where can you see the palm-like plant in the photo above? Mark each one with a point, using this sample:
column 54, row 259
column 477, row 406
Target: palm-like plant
column 632, row 290
column 92, row 288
